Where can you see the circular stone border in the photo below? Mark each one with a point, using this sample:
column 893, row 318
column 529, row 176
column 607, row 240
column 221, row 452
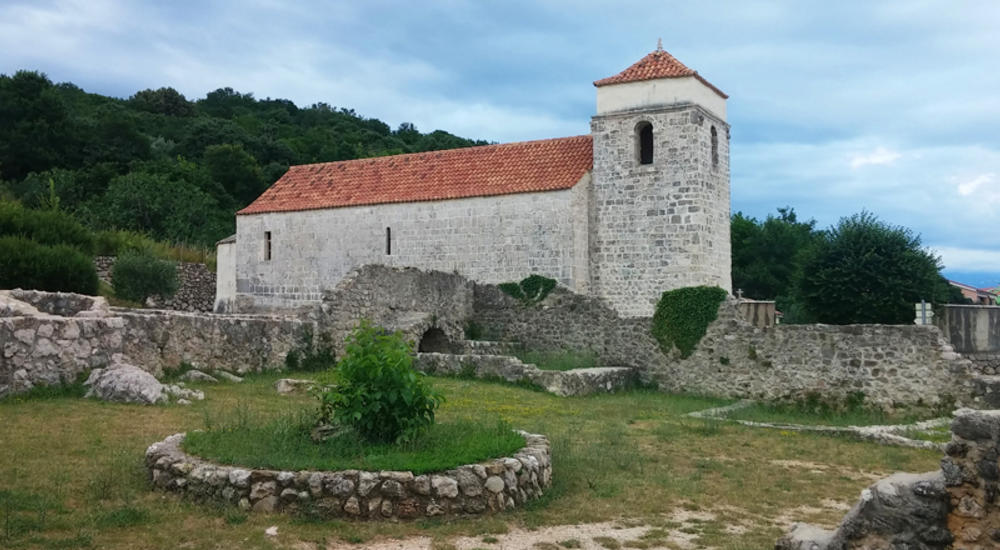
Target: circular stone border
column 489, row 486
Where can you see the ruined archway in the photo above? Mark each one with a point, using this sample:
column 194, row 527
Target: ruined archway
column 434, row 340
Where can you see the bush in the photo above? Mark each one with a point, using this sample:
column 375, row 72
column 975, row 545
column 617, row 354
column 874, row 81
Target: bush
column 377, row 392
column 47, row 227
column 119, row 242
column 136, row 277
column 866, row 271
column 29, row 265
column 531, row 290
column 682, row 316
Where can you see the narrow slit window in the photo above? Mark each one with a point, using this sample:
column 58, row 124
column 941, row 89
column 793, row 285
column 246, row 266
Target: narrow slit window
column 267, row 246
column 645, row 142
column 715, row 147
column 388, row 241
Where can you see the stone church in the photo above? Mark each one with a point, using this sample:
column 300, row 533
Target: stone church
column 637, row 207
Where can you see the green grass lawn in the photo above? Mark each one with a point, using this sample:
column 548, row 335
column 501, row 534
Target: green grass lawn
column 71, row 472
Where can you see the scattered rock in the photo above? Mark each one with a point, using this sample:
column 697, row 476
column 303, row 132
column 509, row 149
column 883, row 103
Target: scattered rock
column 228, row 376
column 286, row 386
column 125, row 383
column 195, row 375
column 271, row 531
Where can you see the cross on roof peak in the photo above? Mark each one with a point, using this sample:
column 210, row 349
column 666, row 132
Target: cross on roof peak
column 659, row 44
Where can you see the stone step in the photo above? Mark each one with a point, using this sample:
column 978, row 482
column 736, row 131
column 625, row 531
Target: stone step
column 564, row 383
column 487, row 347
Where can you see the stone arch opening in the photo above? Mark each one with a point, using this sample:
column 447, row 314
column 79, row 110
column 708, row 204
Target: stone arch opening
column 434, row 340
column 644, row 142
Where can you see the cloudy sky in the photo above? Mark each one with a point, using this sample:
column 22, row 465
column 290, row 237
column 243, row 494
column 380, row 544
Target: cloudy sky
column 890, row 106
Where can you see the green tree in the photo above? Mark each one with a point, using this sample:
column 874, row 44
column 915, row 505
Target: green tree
column 165, row 101
column 171, row 210
column 36, row 130
column 236, row 171
column 866, row 271
column 766, row 254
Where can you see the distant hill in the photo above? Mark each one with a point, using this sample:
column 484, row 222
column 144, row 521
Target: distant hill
column 174, row 168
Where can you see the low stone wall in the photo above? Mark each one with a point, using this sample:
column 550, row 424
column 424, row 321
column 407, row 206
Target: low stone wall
column 984, row 363
column 195, row 285
column 889, row 364
column 490, row 486
column 44, row 348
column 955, row 507
column 37, row 347
column 158, row 340
column 511, row 369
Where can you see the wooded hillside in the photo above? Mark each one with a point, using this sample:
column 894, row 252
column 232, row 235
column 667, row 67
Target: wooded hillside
column 167, row 166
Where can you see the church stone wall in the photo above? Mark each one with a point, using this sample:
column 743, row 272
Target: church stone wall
column 663, row 225
column 487, row 239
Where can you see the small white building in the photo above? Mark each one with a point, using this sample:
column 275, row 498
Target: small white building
column 637, row 207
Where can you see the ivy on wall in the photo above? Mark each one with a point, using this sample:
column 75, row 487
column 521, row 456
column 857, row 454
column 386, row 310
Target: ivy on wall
column 531, row 290
column 682, row 316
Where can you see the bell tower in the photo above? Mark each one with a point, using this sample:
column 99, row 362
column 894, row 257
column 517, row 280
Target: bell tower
column 660, row 203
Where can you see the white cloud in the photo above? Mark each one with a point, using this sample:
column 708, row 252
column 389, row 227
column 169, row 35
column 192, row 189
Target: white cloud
column 982, row 188
column 879, row 156
column 969, row 259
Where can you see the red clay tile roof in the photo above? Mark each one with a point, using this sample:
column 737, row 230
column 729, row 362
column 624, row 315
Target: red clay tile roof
column 658, row 64
column 529, row 166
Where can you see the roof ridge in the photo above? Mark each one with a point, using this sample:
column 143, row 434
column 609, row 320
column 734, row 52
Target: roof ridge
column 453, row 149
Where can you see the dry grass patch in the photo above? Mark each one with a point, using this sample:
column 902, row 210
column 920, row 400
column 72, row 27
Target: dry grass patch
column 74, row 467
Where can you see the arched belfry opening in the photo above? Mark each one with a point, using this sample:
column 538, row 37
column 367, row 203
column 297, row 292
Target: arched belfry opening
column 434, row 340
column 644, row 142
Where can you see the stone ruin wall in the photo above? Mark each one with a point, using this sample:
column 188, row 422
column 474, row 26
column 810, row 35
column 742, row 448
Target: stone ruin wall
column 195, row 285
column 51, row 338
column 891, row 364
column 405, row 299
column 955, row 507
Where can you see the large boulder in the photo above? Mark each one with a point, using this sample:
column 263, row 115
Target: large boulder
column 125, row 383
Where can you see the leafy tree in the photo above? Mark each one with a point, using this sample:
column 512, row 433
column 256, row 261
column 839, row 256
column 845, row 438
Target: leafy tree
column 865, row 271
column 165, row 101
column 36, row 131
column 235, row 170
column 171, row 210
column 766, row 254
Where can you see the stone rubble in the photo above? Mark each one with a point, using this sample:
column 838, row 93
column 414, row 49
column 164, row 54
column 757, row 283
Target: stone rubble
column 955, row 507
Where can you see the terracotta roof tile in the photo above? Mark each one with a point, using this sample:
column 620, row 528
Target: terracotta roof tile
column 529, row 166
column 657, row 64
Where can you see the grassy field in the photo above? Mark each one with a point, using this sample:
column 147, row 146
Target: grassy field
column 71, row 472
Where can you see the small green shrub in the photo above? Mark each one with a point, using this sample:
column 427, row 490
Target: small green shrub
column 47, row 227
column 136, row 277
column 531, row 290
column 682, row 316
column 120, row 242
column 60, row 268
column 377, row 392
